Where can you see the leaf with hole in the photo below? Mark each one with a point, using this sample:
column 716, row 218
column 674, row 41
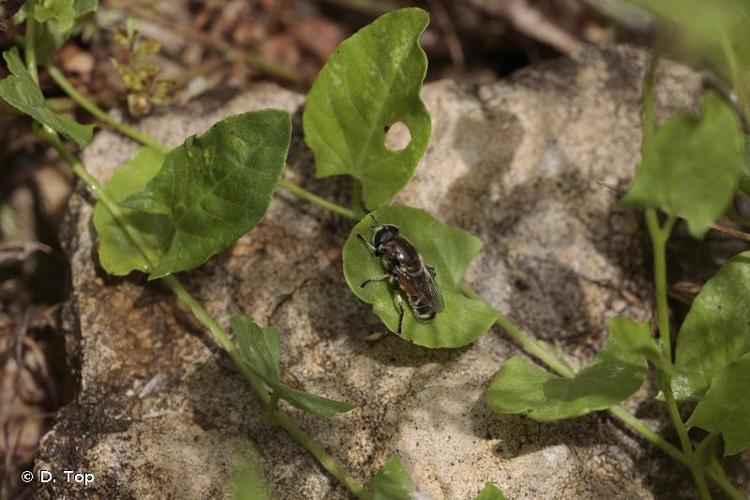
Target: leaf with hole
column 370, row 83
column 716, row 330
column 260, row 350
column 449, row 250
column 726, row 406
column 21, row 91
column 216, row 186
column 520, row 387
column 692, row 165
column 117, row 253
column 490, row 492
column 392, row 482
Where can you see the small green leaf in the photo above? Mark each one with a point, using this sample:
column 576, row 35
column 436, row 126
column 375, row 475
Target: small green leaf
column 392, row 482
column 260, row 347
column 51, row 35
column 371, row 82
column 691, row 167
column 726, row 406
column 21, row 91
column 117, row 254
column 249, row 483
column 633, row 337
column 215, row 187
column 612, row 377
column 260, row 350
column 716, row 331
column 449, row 250
column 60, row 12
column 490, row 492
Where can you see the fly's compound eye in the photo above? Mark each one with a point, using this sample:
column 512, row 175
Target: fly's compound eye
column 384, row 234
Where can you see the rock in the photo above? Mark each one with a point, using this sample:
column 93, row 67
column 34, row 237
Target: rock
column 533, row 165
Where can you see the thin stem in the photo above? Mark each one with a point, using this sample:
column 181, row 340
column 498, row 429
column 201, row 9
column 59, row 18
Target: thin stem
column 29, row 44
column 659, row 236
column 100, row 114
column 317, row 200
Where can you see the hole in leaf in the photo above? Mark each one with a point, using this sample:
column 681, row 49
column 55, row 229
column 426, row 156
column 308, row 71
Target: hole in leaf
column 397, row 136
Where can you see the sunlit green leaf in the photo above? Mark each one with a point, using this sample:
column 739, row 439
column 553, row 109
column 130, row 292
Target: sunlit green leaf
column 726, row 406
column 716, row 331
column 392, row 482
column 117, row 253
column 60, row 12
column 520, row 387
column 260, row 349
column 692, row 165
column 21, row 91
column 215, row 187
column 490, row 492
column 633, row 337
column 52, row 35
column 372, row 81
column 449, row 250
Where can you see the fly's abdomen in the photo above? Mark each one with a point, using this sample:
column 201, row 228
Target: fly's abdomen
column 423, row 306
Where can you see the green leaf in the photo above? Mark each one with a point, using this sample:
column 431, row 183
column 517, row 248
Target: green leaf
column 449, row 250
column 52, row 35
column 520, row 387
column 490, row 492
column 260, row 347
column 716, row 331
column 726, row 406
column 371, row 82
column 60, row 12
column 249, row 482
column 21, row 91
column 260, row 350
column 117, row 254
column 392, row 482
column 691, row 167
column 633, row 337
column 215, row 187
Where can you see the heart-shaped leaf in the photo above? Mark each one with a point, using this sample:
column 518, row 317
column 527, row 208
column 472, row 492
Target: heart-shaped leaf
column 449, row 250
column 260, row 350
column 215, row 187
column 716, row 331
column 22, row 92
column 371, row 82
column 726, row 406
column 692, row 165
column 520, row 387
column 117, row 253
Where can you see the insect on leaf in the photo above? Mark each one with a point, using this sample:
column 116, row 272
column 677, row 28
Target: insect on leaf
column 520, row 387
column 21, row 91
column 117, row 254
column 726, row 406
column 260, row 350
column 216, row 186
column 716, row 331
column 490, row 492
column 449, row 250
column 692, row 165
column 392, row 482
column 371, row 82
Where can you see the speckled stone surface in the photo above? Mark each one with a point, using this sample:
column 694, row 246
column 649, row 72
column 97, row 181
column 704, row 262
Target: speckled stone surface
column 532, row 165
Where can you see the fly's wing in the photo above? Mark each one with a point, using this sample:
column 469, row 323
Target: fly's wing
column 434, row 289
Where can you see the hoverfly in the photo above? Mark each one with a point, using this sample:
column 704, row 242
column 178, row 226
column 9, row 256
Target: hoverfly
column 405, row 271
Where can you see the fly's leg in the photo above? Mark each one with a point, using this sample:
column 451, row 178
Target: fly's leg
column 400, row 304
column 376, row 278
column 432, row 271
column 366, row 243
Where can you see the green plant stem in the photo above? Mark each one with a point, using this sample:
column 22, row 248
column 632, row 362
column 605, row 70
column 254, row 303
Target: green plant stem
column 147, row 140
column 659, row 236
column 317, row 200
column 100, row 114
column 219, row 335
column 29, row 46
